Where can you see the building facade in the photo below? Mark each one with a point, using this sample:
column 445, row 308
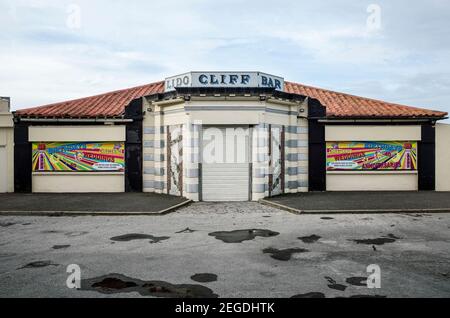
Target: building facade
column 225, row 136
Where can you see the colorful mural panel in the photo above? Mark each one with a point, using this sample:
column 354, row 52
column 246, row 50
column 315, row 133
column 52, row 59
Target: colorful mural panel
column 399, row 155
column 78, row 157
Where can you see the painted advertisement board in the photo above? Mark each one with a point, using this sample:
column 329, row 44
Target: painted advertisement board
column 78, row 157
column 372, row 155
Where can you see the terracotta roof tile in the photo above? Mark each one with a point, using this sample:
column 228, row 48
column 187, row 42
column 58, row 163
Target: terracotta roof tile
column 110, row 104
column 346, row 105
column 338, row 104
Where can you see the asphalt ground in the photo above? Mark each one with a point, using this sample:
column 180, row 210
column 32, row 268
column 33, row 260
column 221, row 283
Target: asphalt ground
column 226, row 250
column 81, row 203
column 323, row 202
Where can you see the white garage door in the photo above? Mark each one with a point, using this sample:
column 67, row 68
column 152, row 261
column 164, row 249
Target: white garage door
column 3, row 178
column 225, row 169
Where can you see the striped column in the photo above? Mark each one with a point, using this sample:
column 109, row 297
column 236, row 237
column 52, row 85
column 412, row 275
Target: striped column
column 303, row 144
column 296, row 158
column 148, row 159
column 260, row 162
column 191, row 160
column 160, row 160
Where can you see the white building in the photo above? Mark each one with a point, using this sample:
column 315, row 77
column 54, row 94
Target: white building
column 233, row 136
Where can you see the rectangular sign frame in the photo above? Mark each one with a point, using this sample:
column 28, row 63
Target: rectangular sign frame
column 224, row 79
column 372, row 156
column 78, row 157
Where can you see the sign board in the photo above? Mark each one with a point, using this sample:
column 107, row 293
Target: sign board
column 372, row 155
column 224, row 79
column 78, row 157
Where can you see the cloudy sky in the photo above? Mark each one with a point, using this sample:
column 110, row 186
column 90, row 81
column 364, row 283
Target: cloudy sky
column 394, row 50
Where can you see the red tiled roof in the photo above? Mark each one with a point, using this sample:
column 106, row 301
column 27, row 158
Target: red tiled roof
column 338, row 104
column 346, row 105
column 110, row 104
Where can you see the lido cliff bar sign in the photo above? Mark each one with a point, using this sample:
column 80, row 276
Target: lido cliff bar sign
column 224, row 79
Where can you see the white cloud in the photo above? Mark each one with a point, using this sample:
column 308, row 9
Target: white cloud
column 345, row 45
column 323, row 43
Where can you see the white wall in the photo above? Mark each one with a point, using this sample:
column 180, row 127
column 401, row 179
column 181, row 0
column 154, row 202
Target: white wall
column 372, row 182
column 373, row 133
column 3, row 170
column 76, row 133
column 6, row 148
column 76, row 182
column 442, row 157
column 378, row 180
column 217, row 111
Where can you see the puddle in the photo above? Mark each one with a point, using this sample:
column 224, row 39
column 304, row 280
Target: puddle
column 310, row 239
column 39, row 264
column 357, row 281
column 27, row 223
column 390, row 238
column 6, row 255
column 446, row 275
column 239, row 236
column 366, row 296
column 59, row 247
column 414, row 215
column 283, row 255
column 117, row 283
column 7, row 224
column 68, row 234
column 339, row 287
column 310, row 295
column 113, row 283
column 204, row 278
column 267, row 216
column 334, row 285
column 268, row 274
column 134, row 236
column 327, row 218
column 186, row 230
column 75, row 234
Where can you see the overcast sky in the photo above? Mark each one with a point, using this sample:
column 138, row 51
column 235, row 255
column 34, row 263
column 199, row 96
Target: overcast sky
column 395, row 50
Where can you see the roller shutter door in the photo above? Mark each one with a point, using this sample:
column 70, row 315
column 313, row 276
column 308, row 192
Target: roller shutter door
column 225, row 179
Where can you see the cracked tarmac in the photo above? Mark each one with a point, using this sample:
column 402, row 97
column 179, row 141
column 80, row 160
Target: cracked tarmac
column 325, row 258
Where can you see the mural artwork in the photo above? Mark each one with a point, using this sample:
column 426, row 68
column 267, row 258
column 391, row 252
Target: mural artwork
column 78, row 157
column 398, row 155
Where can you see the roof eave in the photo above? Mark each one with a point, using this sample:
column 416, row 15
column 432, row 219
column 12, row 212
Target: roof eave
column 37, row 118
column 382, row 118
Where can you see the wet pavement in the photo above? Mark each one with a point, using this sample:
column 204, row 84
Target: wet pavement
column 86, row 203
column 226, row 250
column 336, row 202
